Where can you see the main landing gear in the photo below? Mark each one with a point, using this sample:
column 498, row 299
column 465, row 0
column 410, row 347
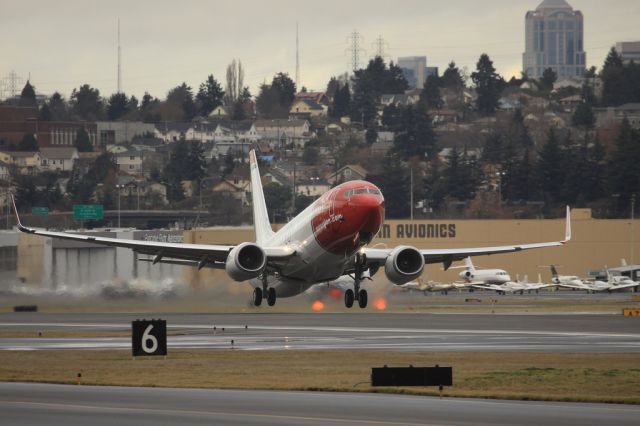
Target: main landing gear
column 265, row 292
column 357, row 294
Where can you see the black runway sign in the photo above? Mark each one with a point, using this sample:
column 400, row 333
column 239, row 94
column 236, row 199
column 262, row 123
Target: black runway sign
column 149, row 338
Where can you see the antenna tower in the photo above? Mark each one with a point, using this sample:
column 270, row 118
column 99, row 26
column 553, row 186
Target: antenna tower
column 119, row 61
column 297, row 59
column 355, row 50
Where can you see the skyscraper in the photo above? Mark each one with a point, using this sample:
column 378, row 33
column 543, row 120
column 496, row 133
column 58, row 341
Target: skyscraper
column 554, row 38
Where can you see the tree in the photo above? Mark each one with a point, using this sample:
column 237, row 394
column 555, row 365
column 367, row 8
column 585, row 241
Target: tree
column 371, row 136
column 394, row 184
column 274, row 100
column 28, row 95
column 430, row 94
column 235, row 82
column 209, row 95
column 624, row 165
column 452, row 78
column 82, row 142
column 117, row 106
column 277, row 197
column 58, row 108
column 87, row 104
column 549, row 77
column 341, row 102
column 310, row 154
column 614, row 86
column 583, row 116
column 489, row 85
column 181, row 99
column 415, row 135
column 28, row 143
column 45, row 113
column 550, row 168
column 195, row 162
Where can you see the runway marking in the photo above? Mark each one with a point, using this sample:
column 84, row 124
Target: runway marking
column 141, row 410
column 232, row 327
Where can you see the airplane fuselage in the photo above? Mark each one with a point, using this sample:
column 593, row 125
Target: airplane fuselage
column 326, row 236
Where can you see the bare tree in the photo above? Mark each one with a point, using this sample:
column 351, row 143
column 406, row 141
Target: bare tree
column 235, row 81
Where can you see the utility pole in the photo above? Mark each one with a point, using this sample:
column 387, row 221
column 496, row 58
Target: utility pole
column 119, row 61
column 297, row 59
column 11, row 85
column 633, row 237
column 379, row 46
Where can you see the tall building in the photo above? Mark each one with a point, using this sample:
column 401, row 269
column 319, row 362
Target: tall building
column 413, row 69
column 629, row 50
column 554, row 38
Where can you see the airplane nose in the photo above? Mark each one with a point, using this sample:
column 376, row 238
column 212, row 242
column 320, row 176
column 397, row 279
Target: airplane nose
column 370, row 209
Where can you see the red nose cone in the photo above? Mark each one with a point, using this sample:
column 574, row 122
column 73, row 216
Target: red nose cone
column 369, row 209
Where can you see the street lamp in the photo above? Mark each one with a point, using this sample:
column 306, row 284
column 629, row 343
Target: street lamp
column 500, row 174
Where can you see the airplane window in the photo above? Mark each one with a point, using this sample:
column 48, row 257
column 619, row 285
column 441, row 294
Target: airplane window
column 349, row 193
column 374, row 191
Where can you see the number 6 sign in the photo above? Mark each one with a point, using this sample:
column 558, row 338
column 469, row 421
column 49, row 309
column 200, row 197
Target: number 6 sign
column 149, row 337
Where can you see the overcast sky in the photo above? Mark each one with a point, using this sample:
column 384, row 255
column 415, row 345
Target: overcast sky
column 63, row 44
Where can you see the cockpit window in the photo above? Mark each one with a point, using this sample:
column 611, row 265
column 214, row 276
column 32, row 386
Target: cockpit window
column 351, row 192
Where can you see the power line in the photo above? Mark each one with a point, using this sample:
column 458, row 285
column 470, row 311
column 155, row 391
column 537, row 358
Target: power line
column 379, row 47
column 119, row 61
column 11, row 85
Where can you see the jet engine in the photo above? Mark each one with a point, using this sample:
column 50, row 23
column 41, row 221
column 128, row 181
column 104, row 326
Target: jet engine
column 245, row 261
column 404, row 264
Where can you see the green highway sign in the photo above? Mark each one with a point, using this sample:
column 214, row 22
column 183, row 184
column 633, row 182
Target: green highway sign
column 88, row 211
column 40, row 211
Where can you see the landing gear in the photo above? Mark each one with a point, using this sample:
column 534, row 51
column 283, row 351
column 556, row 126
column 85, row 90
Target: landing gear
column 348, row 298
column 257, row 296
column 362, row 299
column 271, row 296
column 356, row 294
column 265, row 292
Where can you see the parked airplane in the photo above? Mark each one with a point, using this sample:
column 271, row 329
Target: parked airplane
column 515, row 286
column 614, row 283
column 482, row 276
column 325, row 241
column 431, row 286
column 567, row 281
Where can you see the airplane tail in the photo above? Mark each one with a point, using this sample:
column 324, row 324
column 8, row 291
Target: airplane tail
column 260, row 214
column 554, row 272
column 469, row 264
column 623, row 262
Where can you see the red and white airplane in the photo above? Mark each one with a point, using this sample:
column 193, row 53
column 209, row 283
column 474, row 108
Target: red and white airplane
column 324, row 242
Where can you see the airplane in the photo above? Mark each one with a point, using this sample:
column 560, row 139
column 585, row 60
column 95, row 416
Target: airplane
column 568, row 281
column 327, row 240
column 431, row 286
column 614, row 283
column 515, row 286
column 482, row 276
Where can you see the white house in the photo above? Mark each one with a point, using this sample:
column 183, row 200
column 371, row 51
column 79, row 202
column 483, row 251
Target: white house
column 58, row 158
column 130, row 161
column 277, row 132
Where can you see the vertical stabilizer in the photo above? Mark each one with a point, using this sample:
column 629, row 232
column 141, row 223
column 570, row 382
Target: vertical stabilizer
column 554, row 272
column 260, row 214
column 469, row 264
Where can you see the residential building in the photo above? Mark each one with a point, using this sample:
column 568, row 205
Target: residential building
column 313, row 187
column 284, row 132
column 317, row 97
column 607, row 117
column 629, row 50
column 554, row 38
column 413, row 68
column 130, row 161
column 58, row 159
column 307, row 108
column 26, row 162
column 4, row 170
column 347, row 173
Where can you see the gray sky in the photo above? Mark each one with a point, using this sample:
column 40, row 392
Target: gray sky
column 63, row 44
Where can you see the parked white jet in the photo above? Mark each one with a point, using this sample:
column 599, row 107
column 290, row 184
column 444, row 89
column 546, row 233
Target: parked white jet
column 567, row 281
column 325, row 241
column 473, row 275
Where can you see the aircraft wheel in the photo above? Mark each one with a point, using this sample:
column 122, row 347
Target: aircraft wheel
column 271, row 296
column 257, row 296
column 362, row 299
column 348, row 298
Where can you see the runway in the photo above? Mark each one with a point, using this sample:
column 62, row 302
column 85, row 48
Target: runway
column 362, row 331
column 27, row 403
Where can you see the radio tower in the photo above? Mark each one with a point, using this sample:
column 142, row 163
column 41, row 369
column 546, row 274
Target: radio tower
column 297, row 59
column 379, row 47
column 355, row 40
column 119, row 63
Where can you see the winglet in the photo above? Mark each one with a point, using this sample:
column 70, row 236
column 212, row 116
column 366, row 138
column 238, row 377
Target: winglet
column 15, row 209
column 567, row 229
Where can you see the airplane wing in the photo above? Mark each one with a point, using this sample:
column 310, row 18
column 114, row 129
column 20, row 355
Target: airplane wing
column 448, row 256
column 199, row 255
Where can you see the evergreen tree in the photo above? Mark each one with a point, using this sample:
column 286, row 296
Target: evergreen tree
column 195, row 162
column 341, row 102
column 583, row 116
column 614, row 85
column 210, row 95
column 117, row 106
column 87, row 104
column 489, row 85
column 181, row 98
column 274, row 100
column 45, row 113
column 58, row 108
column 549, row 77
column 430, row 95
column 29, row 143
column 239, row 112
column 452, row 78
column 624, row 167
column 550, row 168
column 28, row 95
column 417, row 137
column 82, row 142
column 394, row 182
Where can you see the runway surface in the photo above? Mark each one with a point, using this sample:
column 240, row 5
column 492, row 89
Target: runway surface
column 336, row 331
column 27, row 403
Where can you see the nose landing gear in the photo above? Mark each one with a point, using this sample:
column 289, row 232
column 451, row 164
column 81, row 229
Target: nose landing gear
column 357, row 294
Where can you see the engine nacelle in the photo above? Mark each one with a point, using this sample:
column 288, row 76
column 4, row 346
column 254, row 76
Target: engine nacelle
column 245, row 261
column 404, row 264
